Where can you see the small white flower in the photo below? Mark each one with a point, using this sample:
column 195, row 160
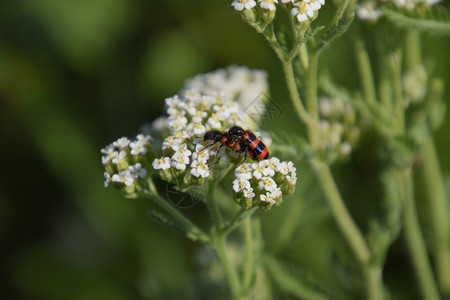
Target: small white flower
column 222, row 113
column 174, row 105
column 316, row 4
column 123, row 177
column 182, row 149
column 240, row 5
column 169, row 142
column 200, row 169
column 302, row 11
column 195, row 129
column 137, row 171
column 276, row 193
column 236, row 120
column 367, row 11
column 118, row 156
column 271, row 166
column 248, row 193
column 137, row 147
column 178, row 122
column 181, row 134
column 259, row 169
column 121, row 143
column 160, row 124
column 244, row 171
column 292, row 179
column 201, row 155
column 287, row 1
column 268, row 198
column 214, row 122
column 199, row 116
column 144, row 138
column 105, row 160
column 192, row 96
column 107, row 178
column 179, row 161
column 268, row 4
column 240, row 184
column 286, row 168
column 162, row 163
column 267, row 183
column 191, row 109
column 108, row 150
column 345, row 149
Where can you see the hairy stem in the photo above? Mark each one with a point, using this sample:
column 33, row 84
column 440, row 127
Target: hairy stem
column 293, row 92
column 218, row 242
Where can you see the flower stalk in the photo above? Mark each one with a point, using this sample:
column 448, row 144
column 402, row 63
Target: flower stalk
column 415, row 240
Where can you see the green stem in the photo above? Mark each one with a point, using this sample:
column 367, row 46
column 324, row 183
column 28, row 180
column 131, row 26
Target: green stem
column 413, row 55
column 350, row 231
column 341, row 214
column 311, row 100
column 365, row 73
column 437, row 202
column 191, row 229
column 218, row 241
column 249, row 260
column 293, row 92
column 340, row 12
column 374, row 283
column 415, row 241
column 395, row 60
column 304, row 58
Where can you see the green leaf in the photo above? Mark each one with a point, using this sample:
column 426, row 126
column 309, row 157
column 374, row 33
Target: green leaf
column 386, row 228
column 288, row 282
column 166, row 220
column 425, row 25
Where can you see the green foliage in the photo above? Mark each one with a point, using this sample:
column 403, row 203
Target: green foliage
column 76, row 75
column 434, row 22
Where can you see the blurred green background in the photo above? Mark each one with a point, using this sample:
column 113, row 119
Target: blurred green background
column 76, row 75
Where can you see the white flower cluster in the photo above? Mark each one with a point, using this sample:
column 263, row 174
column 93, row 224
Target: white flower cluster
column 411, row 4
column 370, row 11
column 302, row 10
column 236, row 83
column 124, row 161
column 414, row 84
column 189, row 117
column 338, row 130
column 263, row 183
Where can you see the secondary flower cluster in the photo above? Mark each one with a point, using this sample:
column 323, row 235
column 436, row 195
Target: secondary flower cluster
column 263, row 183
column 370, row 10
column 236, row 83
column 303, row 10
column 124, row 161
column 338, row 129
